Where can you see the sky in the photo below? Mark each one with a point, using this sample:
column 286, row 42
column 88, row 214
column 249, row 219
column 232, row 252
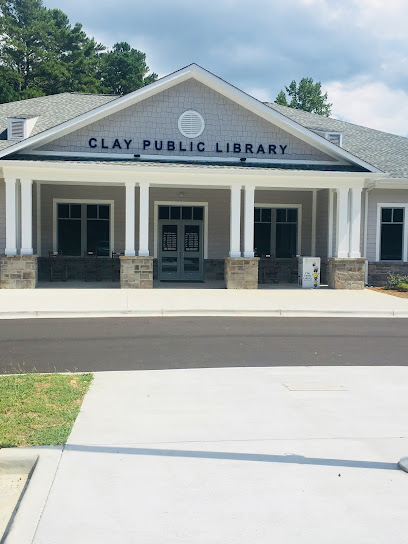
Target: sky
column 358, row 49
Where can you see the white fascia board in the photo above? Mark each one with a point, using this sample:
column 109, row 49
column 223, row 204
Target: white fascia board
column 207, row 78
column 114, row 174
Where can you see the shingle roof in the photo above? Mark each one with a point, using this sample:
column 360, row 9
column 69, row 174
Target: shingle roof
column 51, row 111
column 387, row 152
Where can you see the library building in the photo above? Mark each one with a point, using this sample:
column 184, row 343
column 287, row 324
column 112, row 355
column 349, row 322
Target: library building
column 190, row 179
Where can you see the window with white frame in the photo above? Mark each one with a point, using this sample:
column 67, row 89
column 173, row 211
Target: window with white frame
column 82, row 228
column 392, row 234
column 276, row 232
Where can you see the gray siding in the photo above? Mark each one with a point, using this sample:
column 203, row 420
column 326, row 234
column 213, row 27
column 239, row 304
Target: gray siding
column 375, row 197
column 156, row 118
column 322, row 221
column 2, row 216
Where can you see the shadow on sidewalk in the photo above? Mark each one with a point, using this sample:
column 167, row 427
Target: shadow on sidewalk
column 256, row 457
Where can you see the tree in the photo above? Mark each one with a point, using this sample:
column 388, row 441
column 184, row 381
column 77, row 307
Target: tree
column 124, row 69
column 41, row 53
column 306, row 96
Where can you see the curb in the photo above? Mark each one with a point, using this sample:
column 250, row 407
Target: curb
column 203, row 312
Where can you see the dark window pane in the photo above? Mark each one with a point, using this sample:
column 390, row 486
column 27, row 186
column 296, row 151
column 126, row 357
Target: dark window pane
column 164, row 212
column 266, row 215
column 69, row 237
column 104, row 212
column 198, row 213
column 186, row 212
column 175, row 212
column 192, row 238
column 281, row 215
column 386, row 215
column 169, row 238
column 292, row 215
column 262, row 239
column 75, row 211
column 286, row 240
column 169, row 264
column 98, row 237
column 391, row 242
column 398, row 215
column 257, row 215
column 63, row 210
column 191, row 264
column 92, row 211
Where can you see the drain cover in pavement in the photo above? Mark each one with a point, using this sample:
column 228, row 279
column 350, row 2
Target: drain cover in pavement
column 314, row 387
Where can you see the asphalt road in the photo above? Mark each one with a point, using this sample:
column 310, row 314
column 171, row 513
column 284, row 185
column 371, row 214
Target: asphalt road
column 58, row 345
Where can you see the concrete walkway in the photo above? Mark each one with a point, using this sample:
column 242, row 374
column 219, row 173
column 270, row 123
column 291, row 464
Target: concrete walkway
column 234, row 455
column 54, row 303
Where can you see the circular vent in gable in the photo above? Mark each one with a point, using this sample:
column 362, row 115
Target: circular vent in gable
column 191, row 124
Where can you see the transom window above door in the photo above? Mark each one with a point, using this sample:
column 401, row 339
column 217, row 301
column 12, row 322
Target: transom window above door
column 186, row 213
column 82, row 228
column 276, row 232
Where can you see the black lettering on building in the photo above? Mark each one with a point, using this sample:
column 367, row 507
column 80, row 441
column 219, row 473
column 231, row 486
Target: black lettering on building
column 237, row 148
column 146, row 144
column 93, row 142
column 116, row 144
column 248, row 148
column 283, row 147
column 103, row 144
column 272, row 149
column 127, row 142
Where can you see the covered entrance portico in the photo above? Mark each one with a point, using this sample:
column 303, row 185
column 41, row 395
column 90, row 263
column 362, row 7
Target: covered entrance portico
column 179, row 222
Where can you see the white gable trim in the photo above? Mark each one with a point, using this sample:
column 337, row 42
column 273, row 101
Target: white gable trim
column 212, row 81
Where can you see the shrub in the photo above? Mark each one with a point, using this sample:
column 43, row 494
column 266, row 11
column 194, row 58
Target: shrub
column 394, row 280
column 402, row 287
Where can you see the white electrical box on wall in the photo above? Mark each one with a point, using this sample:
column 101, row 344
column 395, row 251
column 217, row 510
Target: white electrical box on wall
column 309, row 272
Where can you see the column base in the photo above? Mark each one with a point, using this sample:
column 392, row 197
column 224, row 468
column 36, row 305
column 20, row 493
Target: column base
column 136, row 272
column 346, row 273
column 18, row 271
column 241, row 273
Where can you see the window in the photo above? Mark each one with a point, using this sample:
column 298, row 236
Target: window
column 276, row 232
column 195, row 213
column 83, row 227
column 392, row 234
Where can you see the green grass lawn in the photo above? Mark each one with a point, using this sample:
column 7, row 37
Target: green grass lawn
column 40, row 409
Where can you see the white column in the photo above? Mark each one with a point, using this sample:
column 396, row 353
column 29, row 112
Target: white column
column 130, row 219
column 144, row 219
column 355, row 223
column 249, row 220
column 11, row 209
column 342, row 222
column 314, row 218
column 330, row 224
column 26, row 216
column 235, row 222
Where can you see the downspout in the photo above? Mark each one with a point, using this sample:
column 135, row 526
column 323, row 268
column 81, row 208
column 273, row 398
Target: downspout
column 366, row 227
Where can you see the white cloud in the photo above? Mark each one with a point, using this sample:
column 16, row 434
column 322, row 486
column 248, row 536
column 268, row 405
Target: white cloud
column 373, row 105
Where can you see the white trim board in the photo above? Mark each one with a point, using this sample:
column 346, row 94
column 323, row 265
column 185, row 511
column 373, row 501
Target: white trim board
column 158, row 203
column 207, row 78
column 404, row 231
column 56, row 201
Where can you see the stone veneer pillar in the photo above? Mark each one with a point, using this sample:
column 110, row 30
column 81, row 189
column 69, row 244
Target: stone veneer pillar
column 136, row 272
column 241, row 273
column 18, row 271
column 346, row 273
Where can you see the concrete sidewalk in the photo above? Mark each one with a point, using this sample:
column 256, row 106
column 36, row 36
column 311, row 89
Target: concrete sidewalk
column 56, row 303
column 234, row 455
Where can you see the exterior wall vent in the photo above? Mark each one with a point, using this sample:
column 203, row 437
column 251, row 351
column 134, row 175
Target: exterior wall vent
column 332, row 137
column 19, row 128
column 191, row 124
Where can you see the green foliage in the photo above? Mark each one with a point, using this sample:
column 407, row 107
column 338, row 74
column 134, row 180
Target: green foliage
column 306, row 96
column 39, row 409
column 402, row 287
column 394, row 280
column 124, row 69
column 41, row 53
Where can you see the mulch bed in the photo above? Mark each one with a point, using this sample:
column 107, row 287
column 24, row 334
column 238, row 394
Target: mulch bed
column 399, row 294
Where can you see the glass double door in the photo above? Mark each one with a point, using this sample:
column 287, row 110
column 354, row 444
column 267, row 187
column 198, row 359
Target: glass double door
column 180, row 250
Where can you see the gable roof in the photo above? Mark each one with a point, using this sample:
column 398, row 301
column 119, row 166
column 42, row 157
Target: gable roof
column 51, row 111
column 64, row 113
column 388, row 152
